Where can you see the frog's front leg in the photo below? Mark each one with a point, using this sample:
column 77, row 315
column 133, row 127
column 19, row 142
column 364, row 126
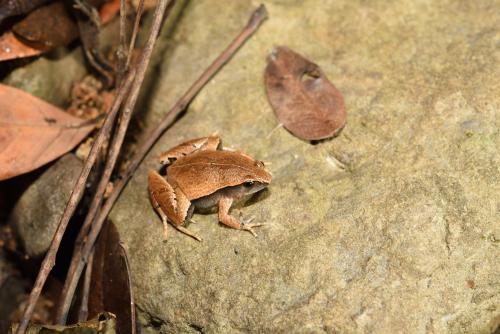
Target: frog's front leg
column 170, row 203
column 226, row 219
column 212, row 143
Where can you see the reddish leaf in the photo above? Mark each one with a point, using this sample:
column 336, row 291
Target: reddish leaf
column 110, row 284
column 11, row 47
column 10, row 8
column 34, row 132
column 48, row 26
column 109, row 10
column 305, row 102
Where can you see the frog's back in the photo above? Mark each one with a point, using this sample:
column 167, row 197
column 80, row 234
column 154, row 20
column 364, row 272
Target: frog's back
column 205, row 172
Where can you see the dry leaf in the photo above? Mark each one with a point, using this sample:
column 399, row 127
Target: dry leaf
column 104, row 323
column 305, row 102
column 34, row 132
column 10, row 8
column 12, row 48
column 110, row 283
column 48, row 26
column 109, row 10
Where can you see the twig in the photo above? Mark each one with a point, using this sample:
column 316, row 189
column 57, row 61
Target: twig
column 138, row 16
column 80, row 256
column 70, row 283
column 49, row 260
column 133, row 323
column 122, row 48
column 121, row 69
column 83, row 313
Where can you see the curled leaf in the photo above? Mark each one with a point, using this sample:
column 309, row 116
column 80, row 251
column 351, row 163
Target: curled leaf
column 304, row 100
column 34, row 132
column 111, row 287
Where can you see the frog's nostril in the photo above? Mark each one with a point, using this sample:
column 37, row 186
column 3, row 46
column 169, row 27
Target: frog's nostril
column 259, row 163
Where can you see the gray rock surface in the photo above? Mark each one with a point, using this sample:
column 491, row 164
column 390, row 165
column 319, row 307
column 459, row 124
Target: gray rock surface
column 405, row 239
column 37, row 213
column 51, row 76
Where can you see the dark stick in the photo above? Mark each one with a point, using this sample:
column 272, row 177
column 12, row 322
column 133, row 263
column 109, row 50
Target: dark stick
column 140, row 9
column 133, row 323
column 122, row 48
column 83, row 313
column 65, row 300
column 120, row 72
column 80, row 256
column 50, row 258
column 124, row 63
column 71, row 283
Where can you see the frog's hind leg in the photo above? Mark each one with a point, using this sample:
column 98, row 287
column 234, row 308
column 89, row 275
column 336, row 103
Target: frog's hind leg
column 170, row 203
column 161, row 194
column 185, row 209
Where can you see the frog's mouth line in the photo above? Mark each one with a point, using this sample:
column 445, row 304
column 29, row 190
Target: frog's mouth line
column 251, row 199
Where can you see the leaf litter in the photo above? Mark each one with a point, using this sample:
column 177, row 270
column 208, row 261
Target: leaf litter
column 34, row 132
column 304, row 100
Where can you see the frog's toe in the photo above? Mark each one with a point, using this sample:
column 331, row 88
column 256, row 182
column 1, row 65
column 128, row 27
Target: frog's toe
column 248, row 226
column 165, row 229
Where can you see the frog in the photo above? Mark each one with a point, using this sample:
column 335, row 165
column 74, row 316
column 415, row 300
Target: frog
column 200, row 175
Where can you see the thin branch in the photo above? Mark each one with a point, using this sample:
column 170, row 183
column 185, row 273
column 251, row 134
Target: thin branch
column 140, row 10
column 117, row 141
column 93, row 209
column 122, row 48
column 80, row 256
column 83, row 313
column 49, row 260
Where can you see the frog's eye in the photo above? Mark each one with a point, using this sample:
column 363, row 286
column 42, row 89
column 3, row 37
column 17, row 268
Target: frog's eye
column 248, row 184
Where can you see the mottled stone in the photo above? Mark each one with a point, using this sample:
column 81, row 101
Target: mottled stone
column 37, row 213
column 51, row 76
column 404, row 239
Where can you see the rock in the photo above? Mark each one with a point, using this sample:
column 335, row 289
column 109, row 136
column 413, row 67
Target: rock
column 37, row 213
column 51, row 76
column 405, row 239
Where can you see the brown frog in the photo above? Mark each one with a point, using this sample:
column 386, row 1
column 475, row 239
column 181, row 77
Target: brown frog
column 201, row 175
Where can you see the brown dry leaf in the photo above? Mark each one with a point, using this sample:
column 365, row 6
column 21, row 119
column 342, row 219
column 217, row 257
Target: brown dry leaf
column 110, row 282
column 48, row 26
column 9, row 8
column 305, row 102
column 109, row 10
column 11, row 47
column 34, row 132
column 104, row 323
